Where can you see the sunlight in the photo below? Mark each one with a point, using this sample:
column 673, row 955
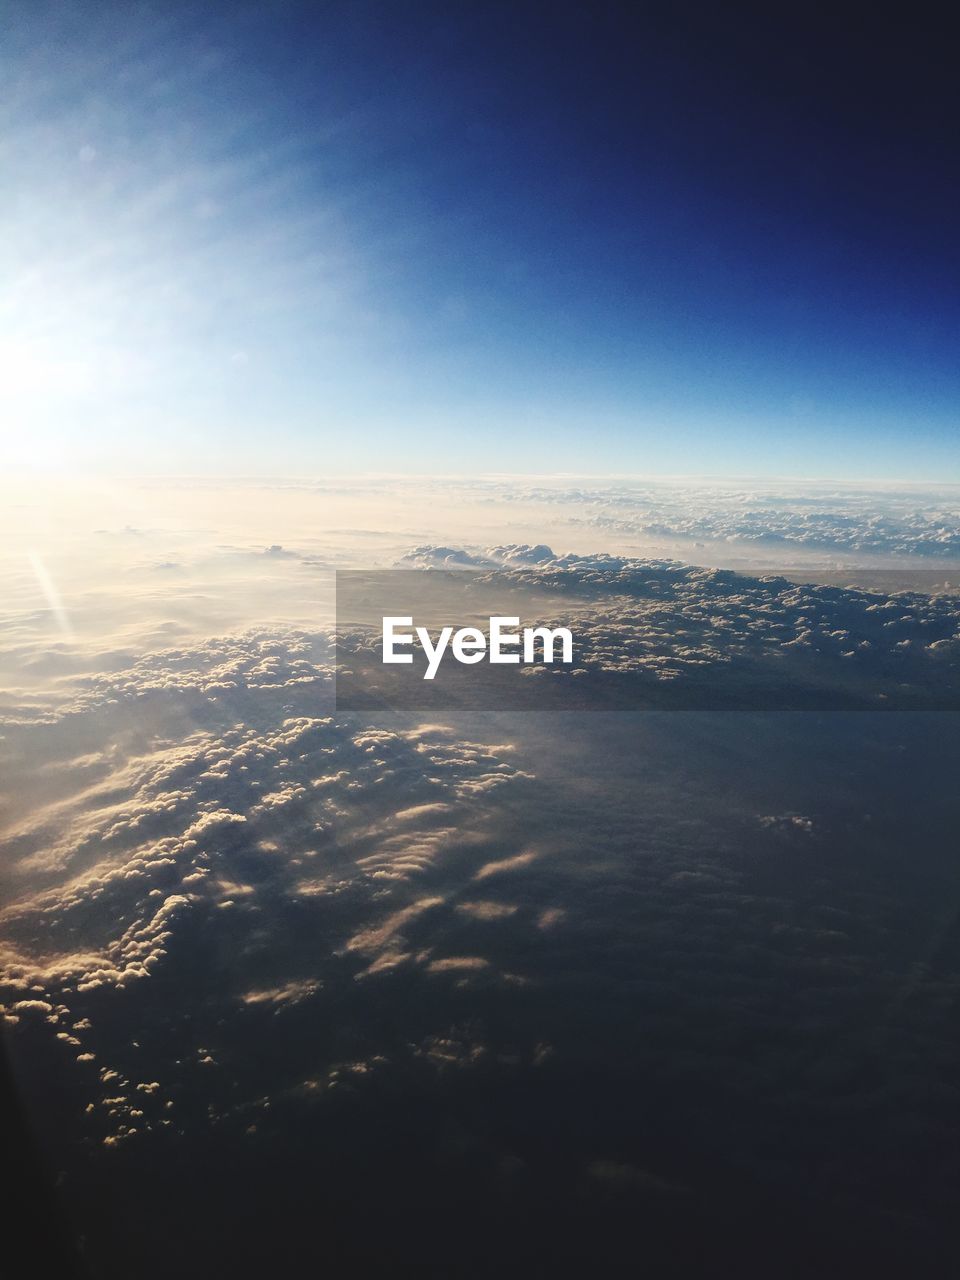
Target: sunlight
column 51, row 595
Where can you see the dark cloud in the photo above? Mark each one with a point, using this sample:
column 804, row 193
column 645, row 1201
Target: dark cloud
column 582, row 980
column 664, row 634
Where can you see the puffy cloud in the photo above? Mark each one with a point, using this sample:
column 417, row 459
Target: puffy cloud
column 920, row 523
column 688, row 636
column 545, row 958
column 486, row 910
column 289, row 993
column 788, row 823
column 211, row 841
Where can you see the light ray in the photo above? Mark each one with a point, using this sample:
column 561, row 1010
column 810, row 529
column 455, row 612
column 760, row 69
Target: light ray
column 51, row 595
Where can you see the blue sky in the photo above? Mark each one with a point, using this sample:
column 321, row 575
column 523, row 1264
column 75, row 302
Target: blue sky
column 476, row 238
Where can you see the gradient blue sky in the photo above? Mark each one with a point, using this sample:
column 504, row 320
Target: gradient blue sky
column 489, row 237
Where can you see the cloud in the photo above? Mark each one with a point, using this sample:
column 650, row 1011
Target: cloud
column 486, row 910
column 552, row 959
column 921, row 523
column 290, row 993
column 505, row 865
column 213, row 840
column 711, row 637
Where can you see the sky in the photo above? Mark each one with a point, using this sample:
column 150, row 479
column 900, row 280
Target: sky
column 424, row 238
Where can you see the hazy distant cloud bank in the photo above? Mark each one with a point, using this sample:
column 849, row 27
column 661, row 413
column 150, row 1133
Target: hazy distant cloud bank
column 857, row 521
